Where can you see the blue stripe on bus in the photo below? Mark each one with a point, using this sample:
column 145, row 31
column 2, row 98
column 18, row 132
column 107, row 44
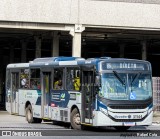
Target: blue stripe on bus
column 39, row 92
column 150, row 106
column 38, row 102
column 100, row 104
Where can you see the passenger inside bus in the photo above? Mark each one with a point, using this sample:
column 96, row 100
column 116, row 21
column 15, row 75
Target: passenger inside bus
column 33, row 84
column 58, row 84
column 76, row 83
column 107, row 87
column 111, row 87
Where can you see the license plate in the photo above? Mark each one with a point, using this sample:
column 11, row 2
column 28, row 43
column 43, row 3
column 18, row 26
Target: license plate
column 129, row 123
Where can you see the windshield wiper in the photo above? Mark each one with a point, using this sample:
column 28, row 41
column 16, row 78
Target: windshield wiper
column 135, row 77
column 118, row 77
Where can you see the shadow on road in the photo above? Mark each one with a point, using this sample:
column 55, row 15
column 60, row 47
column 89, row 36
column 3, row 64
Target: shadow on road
column 97, row 129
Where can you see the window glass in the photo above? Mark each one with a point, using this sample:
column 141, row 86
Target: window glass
column 35, row 79
column 58, row 79
column 126, row 86
column 114, row 87
column 24, row 78
column 140, row 86
column 73, row 79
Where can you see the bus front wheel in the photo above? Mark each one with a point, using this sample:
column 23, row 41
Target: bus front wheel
column 75, row 119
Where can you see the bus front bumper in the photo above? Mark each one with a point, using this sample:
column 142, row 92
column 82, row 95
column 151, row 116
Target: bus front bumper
column 100, row 119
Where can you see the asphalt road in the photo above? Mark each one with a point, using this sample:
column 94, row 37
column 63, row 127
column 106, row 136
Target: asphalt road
column 17, row 127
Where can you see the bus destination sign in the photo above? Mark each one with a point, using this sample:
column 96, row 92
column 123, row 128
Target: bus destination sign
column 124, row 65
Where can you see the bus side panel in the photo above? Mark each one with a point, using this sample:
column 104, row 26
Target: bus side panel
column 22, row 109
column 37, row 111
column 17, row 102
column 57, row 114
column 47, row 112
column 22, row 102
column 63, row 113
column 75, row 100
column 8, row 100
column 31, row 96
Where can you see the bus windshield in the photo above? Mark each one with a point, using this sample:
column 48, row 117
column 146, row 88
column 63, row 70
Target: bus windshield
column 126, row 86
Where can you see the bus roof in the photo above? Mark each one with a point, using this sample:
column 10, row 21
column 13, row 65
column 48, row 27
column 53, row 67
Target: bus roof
column 58, row 61
column 18, row 65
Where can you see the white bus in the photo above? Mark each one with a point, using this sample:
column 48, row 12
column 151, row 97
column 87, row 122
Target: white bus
column 95, row 92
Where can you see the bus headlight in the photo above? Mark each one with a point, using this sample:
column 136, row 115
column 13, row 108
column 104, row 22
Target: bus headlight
column 104, row 111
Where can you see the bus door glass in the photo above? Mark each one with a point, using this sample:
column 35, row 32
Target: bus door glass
column 87, row 96
column 46, row 93
column 14, row 91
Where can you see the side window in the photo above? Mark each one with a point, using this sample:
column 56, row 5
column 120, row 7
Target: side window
column 58, row 79
column 73, row 79
column 35, row 79
column 24, row 78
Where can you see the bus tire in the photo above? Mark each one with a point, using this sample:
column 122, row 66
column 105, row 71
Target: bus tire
column 29, row 114
column 122, row 128
column 75, row 119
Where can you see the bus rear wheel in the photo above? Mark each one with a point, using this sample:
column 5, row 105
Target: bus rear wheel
column 29, row 115
column 75, row 119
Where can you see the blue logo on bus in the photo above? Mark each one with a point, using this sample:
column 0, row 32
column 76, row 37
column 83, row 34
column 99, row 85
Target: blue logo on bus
column 132, row 95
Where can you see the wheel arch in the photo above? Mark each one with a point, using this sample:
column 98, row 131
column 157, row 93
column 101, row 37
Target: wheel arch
column 73, row 107
column 27, row 103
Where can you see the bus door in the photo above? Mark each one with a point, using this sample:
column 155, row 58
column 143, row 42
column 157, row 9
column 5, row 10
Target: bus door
column 14, row 92
column 88, row 98
column 46, row 76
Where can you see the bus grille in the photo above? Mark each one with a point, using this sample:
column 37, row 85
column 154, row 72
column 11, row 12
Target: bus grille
column 127, row 120
column 128, row 107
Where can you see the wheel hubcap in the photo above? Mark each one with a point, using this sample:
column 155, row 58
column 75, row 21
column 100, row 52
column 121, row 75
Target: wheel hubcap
column 76, row 118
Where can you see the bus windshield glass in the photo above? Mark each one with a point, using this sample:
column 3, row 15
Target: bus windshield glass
column 126, row 86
